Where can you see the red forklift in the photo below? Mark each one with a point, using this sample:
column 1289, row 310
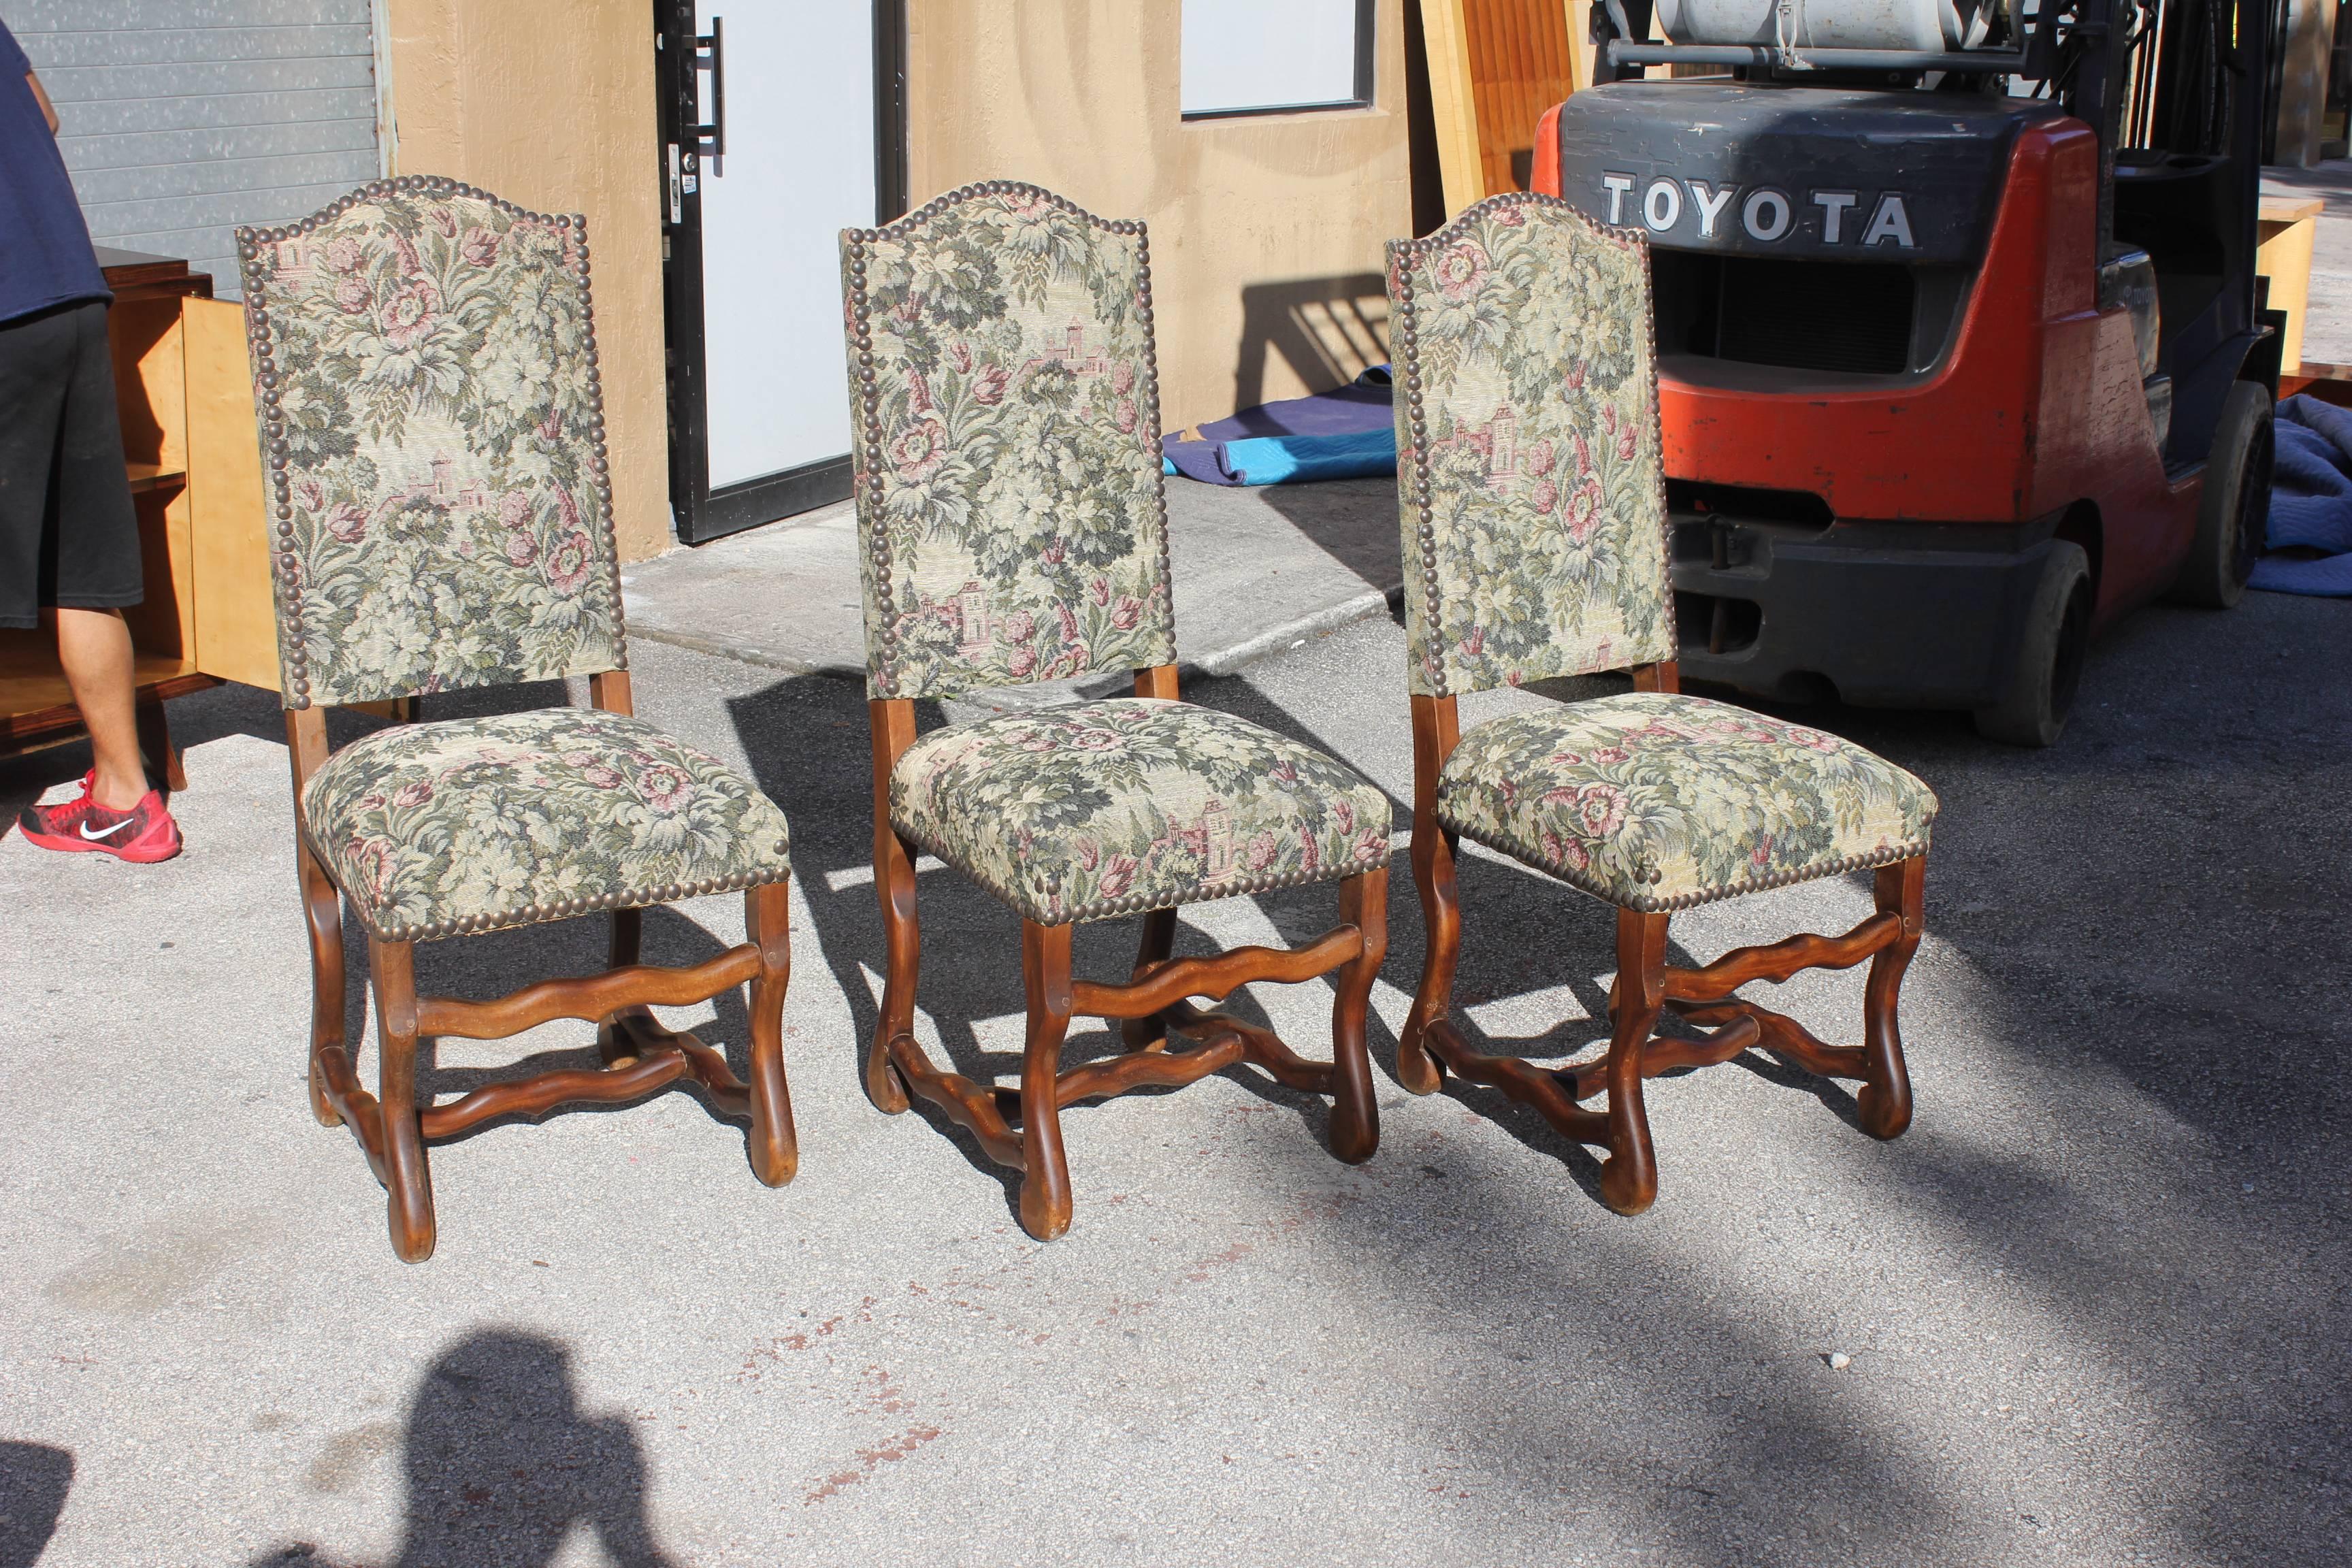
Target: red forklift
column 1961, row 351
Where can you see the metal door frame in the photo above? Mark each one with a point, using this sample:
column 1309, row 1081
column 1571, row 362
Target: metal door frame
column 681, row 55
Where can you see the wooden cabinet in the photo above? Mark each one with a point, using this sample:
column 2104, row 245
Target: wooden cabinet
column 189, row 438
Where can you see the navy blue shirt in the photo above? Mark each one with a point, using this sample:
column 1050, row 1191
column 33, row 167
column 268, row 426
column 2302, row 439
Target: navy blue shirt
column 45, row 254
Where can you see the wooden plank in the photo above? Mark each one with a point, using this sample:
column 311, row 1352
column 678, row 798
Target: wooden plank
column 236, row 627
column 1494, row 66
column 1453, row 102
column 1582, row 51
column 35, row 700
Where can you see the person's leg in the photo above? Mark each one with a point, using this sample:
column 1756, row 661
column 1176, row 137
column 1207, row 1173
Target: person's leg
column 94, row 646
column 96, row 533
column 70, row 538
column 35, row 356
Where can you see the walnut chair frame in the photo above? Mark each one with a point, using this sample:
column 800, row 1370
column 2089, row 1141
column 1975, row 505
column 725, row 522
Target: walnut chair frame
column 1647, row 987
column 640, row 1057
column 1022, row 1129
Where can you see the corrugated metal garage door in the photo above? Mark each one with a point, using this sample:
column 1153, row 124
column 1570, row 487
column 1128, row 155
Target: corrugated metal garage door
column 182, row 119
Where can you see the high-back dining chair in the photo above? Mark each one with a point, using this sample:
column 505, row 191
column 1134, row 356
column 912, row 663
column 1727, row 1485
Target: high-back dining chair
column 1535, row 529
column 425, row 362
column 1003, row 387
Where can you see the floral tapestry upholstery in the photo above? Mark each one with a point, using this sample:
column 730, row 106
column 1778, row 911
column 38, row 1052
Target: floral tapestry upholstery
column 1007, row 445
column 1133, row 804
column 1529, row 468
column 473, row 824
column 441, row 514
column 1654, row 801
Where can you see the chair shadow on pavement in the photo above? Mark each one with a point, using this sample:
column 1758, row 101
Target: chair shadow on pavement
column 806, row 738
column 502, row 1466
column 809, row 747
column 34, row 1481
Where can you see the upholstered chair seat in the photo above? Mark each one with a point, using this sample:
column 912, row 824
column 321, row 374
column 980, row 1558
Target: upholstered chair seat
column 1657, row 801
column 473, row 824
column 1531, row 483
column 1004, row 386
column 1131, row 804
column 440, row 510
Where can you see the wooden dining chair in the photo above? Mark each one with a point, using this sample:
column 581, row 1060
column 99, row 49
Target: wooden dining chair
column 1535, row 529
column 425, row 362
column 1008, row 485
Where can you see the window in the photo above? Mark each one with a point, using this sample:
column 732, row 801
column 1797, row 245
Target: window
column 1272, row 56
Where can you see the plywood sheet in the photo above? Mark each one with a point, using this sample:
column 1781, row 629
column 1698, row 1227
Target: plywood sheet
column 1494, row 66
column 237, row 631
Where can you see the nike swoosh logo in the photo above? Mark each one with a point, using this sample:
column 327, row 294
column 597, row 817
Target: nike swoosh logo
column 105, row 832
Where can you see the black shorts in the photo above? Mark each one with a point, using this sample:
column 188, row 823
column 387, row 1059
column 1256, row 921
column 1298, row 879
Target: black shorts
column 69, row 533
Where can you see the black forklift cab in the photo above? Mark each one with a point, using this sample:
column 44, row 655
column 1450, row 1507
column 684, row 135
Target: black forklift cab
column 2181, row 95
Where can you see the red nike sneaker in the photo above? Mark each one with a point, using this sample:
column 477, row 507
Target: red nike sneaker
column 144, row 835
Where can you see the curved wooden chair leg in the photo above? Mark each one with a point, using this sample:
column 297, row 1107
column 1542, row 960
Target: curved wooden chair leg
column 1355, row 1114
column 1440, row 916
column 628, row 938
column 407, row 1180
column 1045, row 1170
column 1629, row 1177
column 775, row 1148
column 902, row 940
column 1885, row 1102
column 620, row 1033
column 322, row 909
column 1156, row 942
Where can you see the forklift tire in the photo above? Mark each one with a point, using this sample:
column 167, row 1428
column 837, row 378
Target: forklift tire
column 2034, row 709
column 2235, row 509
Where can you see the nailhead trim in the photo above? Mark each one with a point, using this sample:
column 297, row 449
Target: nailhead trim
column 1138, row 904
column 294, row 662
column 1532, row 855
column 882, row 676
column 561, row 909
column 1403, row 255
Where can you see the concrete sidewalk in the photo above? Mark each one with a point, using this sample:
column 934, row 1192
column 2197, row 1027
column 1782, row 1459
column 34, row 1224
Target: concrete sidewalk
column 1255, row 571
column 2094, row 1310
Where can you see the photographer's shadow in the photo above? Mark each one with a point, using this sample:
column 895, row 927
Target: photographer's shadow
column 502, row 1465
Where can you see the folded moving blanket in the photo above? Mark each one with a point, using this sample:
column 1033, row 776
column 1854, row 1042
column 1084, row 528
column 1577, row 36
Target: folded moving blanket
column 1342, row 434
column 2311, row 502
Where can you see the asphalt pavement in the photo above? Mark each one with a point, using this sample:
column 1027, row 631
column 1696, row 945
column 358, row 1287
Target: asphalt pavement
column 2092, row 1309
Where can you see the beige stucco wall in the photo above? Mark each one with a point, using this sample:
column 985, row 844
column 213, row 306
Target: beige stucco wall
column 549, row 103
column 1267, row 232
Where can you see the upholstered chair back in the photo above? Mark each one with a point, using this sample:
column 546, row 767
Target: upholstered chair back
column 1527, row 407
column 440, row 512
column 1006, row 444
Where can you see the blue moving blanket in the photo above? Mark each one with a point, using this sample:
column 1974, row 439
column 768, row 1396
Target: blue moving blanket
column 1343, row 435
column 2311, row 502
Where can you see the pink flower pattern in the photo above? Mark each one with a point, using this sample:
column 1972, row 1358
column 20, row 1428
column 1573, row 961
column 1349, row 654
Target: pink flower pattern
column 1500, row 302
column 411, row 293
column 1066, row 812
column 407, row 816
column 1655, row 800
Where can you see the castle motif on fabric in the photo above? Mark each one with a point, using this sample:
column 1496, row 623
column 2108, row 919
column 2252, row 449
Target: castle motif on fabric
column 1007, row 445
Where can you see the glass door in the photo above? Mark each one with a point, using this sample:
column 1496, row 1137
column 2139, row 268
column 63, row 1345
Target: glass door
column 781, row 123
